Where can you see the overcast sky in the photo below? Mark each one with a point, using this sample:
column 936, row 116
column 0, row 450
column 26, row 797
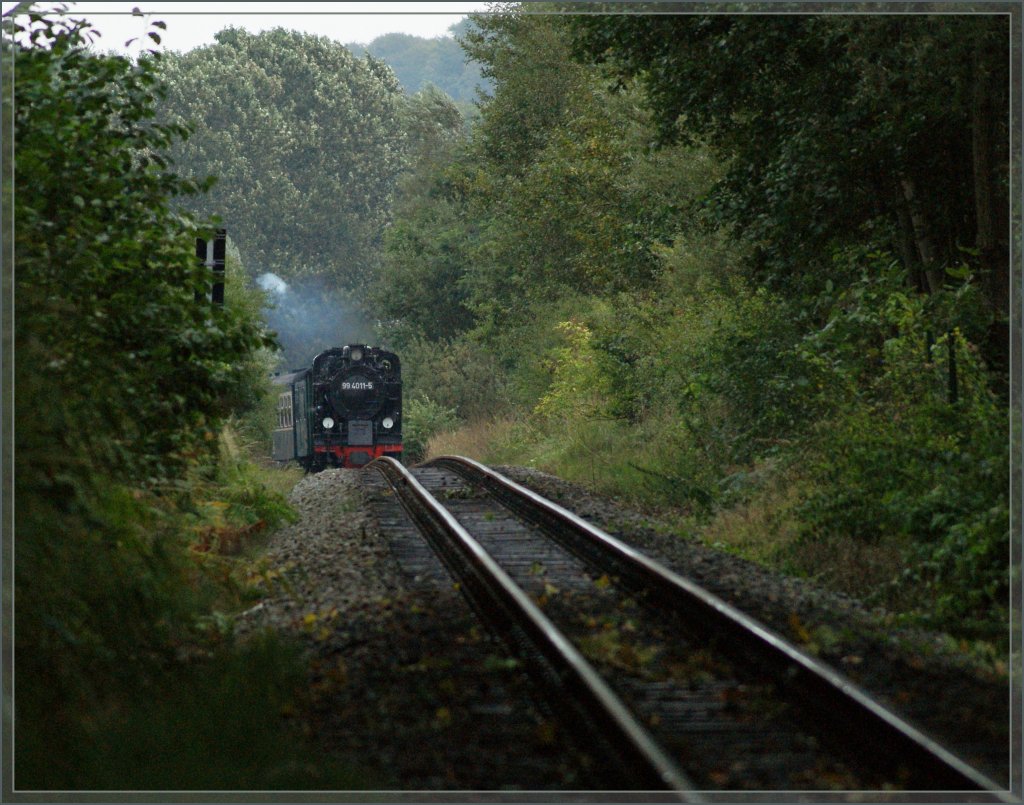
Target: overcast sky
column 193, row 24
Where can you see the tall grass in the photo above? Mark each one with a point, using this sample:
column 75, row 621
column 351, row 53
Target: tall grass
column 612, row 458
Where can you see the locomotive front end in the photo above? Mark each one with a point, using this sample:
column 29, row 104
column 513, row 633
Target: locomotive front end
column 357, row 406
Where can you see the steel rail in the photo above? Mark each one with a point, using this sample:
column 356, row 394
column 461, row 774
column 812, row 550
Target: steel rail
column 546, row 652
column 861, row 720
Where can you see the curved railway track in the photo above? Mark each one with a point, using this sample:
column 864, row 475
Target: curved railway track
column 666, row 686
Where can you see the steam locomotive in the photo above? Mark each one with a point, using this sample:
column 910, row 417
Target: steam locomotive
column 343, row 411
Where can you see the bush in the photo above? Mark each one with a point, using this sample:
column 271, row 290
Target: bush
column 457, row 374
column 99, row 612
column 579, row 390
column 931, row 477
column 422, row 419
column 903, row 459
column 726, row 360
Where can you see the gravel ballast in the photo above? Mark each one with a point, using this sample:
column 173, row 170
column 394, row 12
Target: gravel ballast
column 408, row 689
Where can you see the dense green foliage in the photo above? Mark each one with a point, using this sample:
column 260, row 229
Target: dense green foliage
column 123, row 381
column 423, row 418
column 721, row 263
column 861, row 129
column 107, row 276
column 305, row 143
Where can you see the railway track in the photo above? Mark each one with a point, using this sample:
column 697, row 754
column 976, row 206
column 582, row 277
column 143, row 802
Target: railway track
column 666, row 686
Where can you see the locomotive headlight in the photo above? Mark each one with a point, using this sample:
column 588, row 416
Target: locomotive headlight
column 388, row 422
column 356, row 354
column 328, row 423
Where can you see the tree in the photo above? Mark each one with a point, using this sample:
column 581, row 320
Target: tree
column 427, row 251
column 554, row 194
column 570, row 199
column 839, row 130
column 110, row 335
column 419, row 62
column 306, row 142
column 527, row 60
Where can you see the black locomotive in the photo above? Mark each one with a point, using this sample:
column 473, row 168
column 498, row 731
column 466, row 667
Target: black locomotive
column 343, row 411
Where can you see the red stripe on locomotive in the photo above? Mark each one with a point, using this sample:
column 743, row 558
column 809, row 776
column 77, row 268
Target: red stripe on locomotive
column 346, row 457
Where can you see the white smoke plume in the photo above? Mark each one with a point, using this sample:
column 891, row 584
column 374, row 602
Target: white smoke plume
column 309, row 319
column 272, row 283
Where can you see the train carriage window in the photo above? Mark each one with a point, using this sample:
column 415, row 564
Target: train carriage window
column 284, row 410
